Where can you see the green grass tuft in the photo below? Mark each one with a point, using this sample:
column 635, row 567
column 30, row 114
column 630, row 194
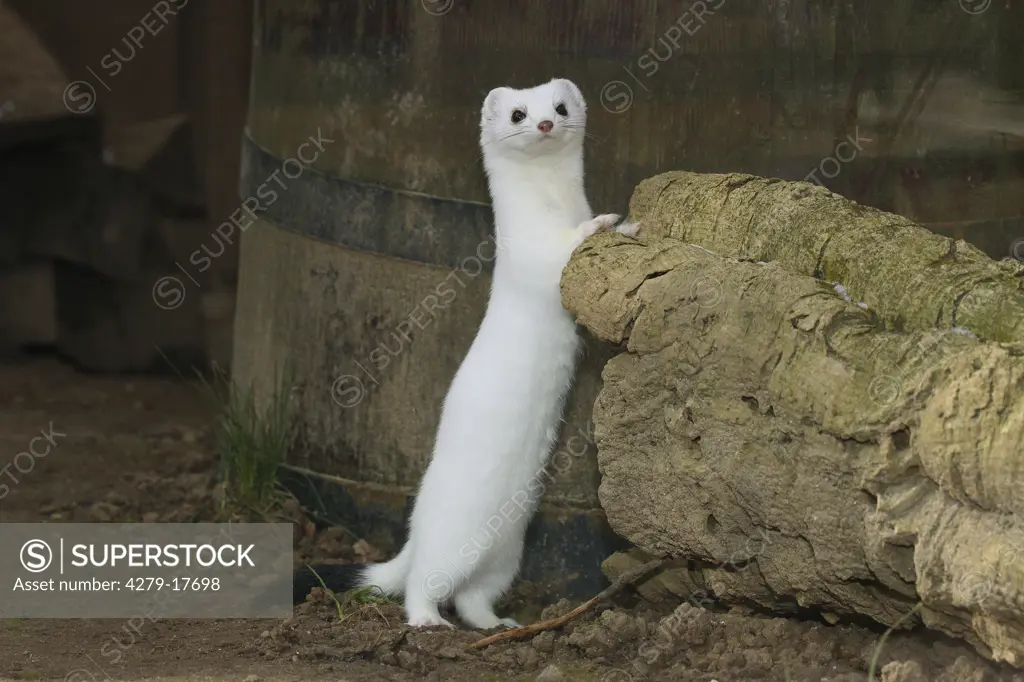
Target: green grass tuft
column 253, row 439
column 360, row 596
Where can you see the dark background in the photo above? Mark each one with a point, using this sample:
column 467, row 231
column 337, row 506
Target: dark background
column 119, row 154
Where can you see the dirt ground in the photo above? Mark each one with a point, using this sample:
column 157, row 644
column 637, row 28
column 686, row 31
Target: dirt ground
column 140, row 449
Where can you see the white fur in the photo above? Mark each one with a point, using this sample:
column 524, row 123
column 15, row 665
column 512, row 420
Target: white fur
column 502, row 413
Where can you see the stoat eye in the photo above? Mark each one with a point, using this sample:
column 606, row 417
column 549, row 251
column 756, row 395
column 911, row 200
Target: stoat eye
column 518, row 115
column 561, row 110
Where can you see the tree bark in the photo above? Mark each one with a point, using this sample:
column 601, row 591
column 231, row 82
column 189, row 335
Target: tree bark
column 911, row 277
column 801, row 456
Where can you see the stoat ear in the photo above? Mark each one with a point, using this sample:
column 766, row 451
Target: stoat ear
column 572, row 89
column 492, row 103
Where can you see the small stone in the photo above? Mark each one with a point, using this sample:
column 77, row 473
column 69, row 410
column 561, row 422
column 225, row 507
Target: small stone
column 406, row 660
column 450, row 653
column 364, row 549
column 544, row 642
column 562, row 607
column 252, row 678
column 195, row 462
column 292, row 508
column 265, row 634
column 759, row 659
column 528, row 657
column 903, row 671
column 552, row 673
column 102, row 512
column 846, row 677
column 963, row 670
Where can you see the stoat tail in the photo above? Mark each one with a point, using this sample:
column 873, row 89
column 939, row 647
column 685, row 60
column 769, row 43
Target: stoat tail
column 388, row 577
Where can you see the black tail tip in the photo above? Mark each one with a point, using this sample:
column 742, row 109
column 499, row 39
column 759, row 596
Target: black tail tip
column 336, row 577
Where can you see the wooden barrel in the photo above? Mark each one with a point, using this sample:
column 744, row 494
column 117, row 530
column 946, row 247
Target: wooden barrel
column 367, row 267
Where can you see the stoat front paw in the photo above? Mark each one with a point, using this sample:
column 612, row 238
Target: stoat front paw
column 628, row 229
column 604, row 221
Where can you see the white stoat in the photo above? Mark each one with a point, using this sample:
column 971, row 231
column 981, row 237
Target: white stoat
column 502, row 412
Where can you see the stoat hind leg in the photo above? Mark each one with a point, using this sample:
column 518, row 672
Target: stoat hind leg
column 475, row 601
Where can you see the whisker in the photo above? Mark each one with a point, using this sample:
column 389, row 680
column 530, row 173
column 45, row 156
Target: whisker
column 502, row 138
column 507, row 136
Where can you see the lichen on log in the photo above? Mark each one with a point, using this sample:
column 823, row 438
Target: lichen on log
column 761, row 422
column 911, row 277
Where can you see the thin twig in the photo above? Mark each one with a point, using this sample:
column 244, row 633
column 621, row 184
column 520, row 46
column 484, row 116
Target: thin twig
column 630, row 577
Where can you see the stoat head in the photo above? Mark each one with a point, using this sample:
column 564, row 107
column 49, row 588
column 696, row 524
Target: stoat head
column 540, row 121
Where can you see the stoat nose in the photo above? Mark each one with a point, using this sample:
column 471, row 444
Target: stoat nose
column 545, row 126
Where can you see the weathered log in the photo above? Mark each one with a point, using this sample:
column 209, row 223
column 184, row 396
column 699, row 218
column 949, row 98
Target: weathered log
column 911, row 277
column 801, row 456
